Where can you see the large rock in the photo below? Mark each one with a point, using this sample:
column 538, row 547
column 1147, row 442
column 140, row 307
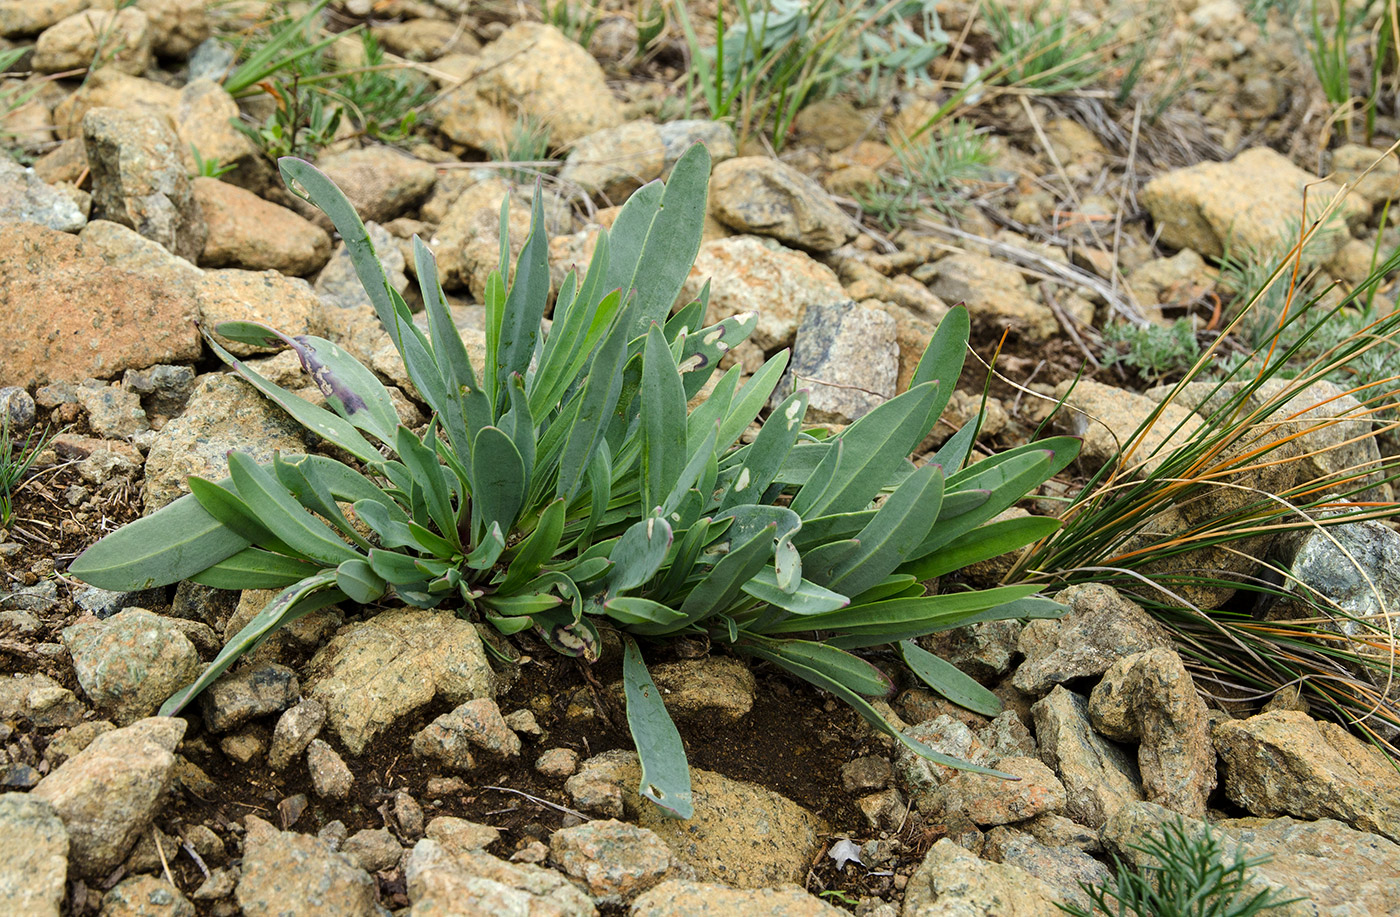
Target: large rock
column 681, row 898
column 177, row 26
column 62, row 321
column 248, row 232
column 119, row 39
column 1100, row 628
column 531, row 71
column 1250, row 202
column 139, row 179
column 847, row 357
column 996, row 296
column 613, row 860
column 131, row 662
column 205, row 115
column 747, row 274
column 1066, row 868
column 1339, row 872
column 951, row 882
column 22, row 18
column 33, row 856
column 380, row 182
column 1285, row 762
column 108, row 793
column 224, row 413
column 986, row 800
column 1099, row 777
column 444, row 882
column 339, row 286
column 616, row 161
column 770, row 198
column 286, row 874
column 25, row 198
column 1108, row 418
column 110, row 88
column 40, row 700
column 287, row 304
column 740, row 834
column 371, row 674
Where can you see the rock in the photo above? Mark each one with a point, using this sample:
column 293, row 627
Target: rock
column 996, row 296
column 1284, row 762
column 248, row 232
column 146, row 896
column 1351, row 161
column 284, row 303
column 372, row 849
column 426, row 39
column 1338, row 871
column 457, row 834
column 922, row 777
column 164, row 389
column 770, row 198
column 139, row 179
column 286, row 874
column 205, row 115
column 1149, row 697
column 1099, row 777
column 1175, row 280
column 339, row 286
column 714, row 686
column 380, row 181
column 1108, row 417
column 1100, row 628
column 984, row 650
column 40, row 700
column 329, row 775
column 33, row 854
column 112, row 412
column 108, row 792
column 613, row 860
column 679, row 136
column 295, row 730
column 110, row 88
column 22, row 18
column 531, row 71
column 17, row 408
column 748, row 275
column 1250, row 201
column 682, row 898
column 119, row 39
column 371, row 674
column 988, row 800
column 1062, row 868
column 848, row 359
column 951, row 882
column 557, row 762
column 177, row 26
column 741, row 834
column 442, row 883
column 616, row 161
column 475, row 724
column 251, row 691
column 24, row 197
column 130, row 663
column 223, row 413
column 56, row 294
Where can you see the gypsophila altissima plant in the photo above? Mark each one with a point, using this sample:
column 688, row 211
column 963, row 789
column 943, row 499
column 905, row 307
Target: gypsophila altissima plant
column 566, row 487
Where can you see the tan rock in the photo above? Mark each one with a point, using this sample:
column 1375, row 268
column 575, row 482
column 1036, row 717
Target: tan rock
column 96, row 39
column 176, row 26
column 616, row 161
column 110, row 88
column 22, row 18
column 769, row 197
column 287, row 304
column 248, row 232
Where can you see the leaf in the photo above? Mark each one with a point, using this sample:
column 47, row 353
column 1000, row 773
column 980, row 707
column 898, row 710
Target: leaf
column 565, row 634
column 498, row 488
column 983, row 543
column 948, row 680
column 665, row 772
column 807, row 599
column 398, row 569
column 358, row 580
column 393, row 532
column 173, row 543
column 301, row 479
column 751, row 398
column 943, row 358
column 295, row 601
column 704, row 349
column 896, row 615
column 628, row 609
column 421, row 460
column 512, row 606
column 638, row 554
column 254, row 568
column 726, row 579
column 351, row 390
column 493, row 543
column 854, row 673
column 663, row 420
column 766, row 454
column 471, row 408
column 519, row 425
column 529, row 296
column 537, row 549
column 900, row 525
column 597, row 400
column 226, row 506
column 275, row 507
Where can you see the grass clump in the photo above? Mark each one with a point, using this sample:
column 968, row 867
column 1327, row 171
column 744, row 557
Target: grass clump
column 1045, row 52
column 17, row 457
column 933, row 172
column 1156, row 352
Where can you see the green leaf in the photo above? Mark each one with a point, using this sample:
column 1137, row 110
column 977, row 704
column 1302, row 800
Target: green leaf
column 173, row 543
column 229, row 509
column 630, row 609
column 392, row 531
column 983, row 543
column 705, row 348
column 638, row 554
column 537, row 549
column 665, row 772
column 358, row 580
column 807, row 599
column 498, row 488
column 942, row 361
column 519, row 425
column 512, row 606
column 766, row 454
column 948, row 680
column 597, row 400
column 899, row 527
column 300, row 477
column 398, row 569
column 663, row 420
column 295, row 601
column 254, row 568
column 421, row 460
column 748, row 554
column 565, row 633
column 277, row 509
column 493, row 543
column 854, row 673
column 527, row 300
column 573, row 338
column 897, row 615
column 470, row 408
column 751, row 399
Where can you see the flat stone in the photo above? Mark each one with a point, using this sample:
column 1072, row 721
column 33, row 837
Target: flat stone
column 557, row 762
column 139, row 179
column 248, row 232
column 456, row 834
column 679, row 136
column 443, row 883
column 768, row 197
column 951, row 882
column 371, row 674
column 108, row 793
column 1099, row 777
column 614, row 860
column 1062, row 868
column 146, row 896
column 286, row 874
column 683, row 898
column 372, row 849
column 22, row 18
column 33, row 856
column 996, row 296
column 24, row 197
column 987, row 800
column 616, row 161
column 380, row 182
column 249, row 692
column 1100, row 628
column 132, row 662
column 847, row 357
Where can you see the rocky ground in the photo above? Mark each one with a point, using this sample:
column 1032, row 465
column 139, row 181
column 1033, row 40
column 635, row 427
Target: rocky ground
column 366, row 761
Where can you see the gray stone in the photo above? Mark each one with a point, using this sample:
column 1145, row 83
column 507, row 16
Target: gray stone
column 17, row 408
column 1062, row 868
column 33, row 856
column 921, row 777
column 224, row 413
column 372, row 849
column 39, row 700
column 951, row 882
column 338, row 285
column 139, row 179
column 164, row 388
column 1350, row 575
column 616, row 161
column 211, row 59
column 36, row 599
column 108, row 793
column 1149, row 697
column 295, row 730
column 380, row 182
column 373, row 673
column 846, row 357
column 146, row 896
column 865, row 774
column 286, row 874
column 679, row 136
column 996, row 296
column 443, row 882
column 329, row 775
column 476, row 724
column 614, row 861
column 112, row 412
column 25, row 197
column 771, row 198
column 683, row 898
column 132, row 662
column 104, row 603
column 1099, row 777
column 250, row 692
column 1100, row 628
column 984, row 650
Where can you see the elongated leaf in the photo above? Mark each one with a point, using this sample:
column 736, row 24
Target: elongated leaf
column 351, row 390
column 226, row 506
column 291, row 603
column 393, row 532
column 597, row 400
column 663, row 420
column 705, row 348
column 566, row 633
column 277, row 509
column 665, row 772
column 897, row 614
column 896, row 531
column 471, row 408
column 751, row 398
column 943, row 359
column 695, row 469
column 562, row 365
column 638, row 554
column 727, row 577
column 493, row 543
column 519, row 425
column 398, row 569
column 1007, row 482
column 948, row 680
column 421, row 460
column 310, row 491
column 358, row 580
column 538, row 549
column 498, row 490
column 838, row 665
column 807, row 599
column 512, row 606
column 254, row 568
column 629, row 609
column 983, row 543
column 765, row 456
column 528, row 297
column 712, row 410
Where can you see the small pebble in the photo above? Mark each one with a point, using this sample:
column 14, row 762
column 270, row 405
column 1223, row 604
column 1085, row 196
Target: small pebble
column 329, row 775
column 557, row 762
